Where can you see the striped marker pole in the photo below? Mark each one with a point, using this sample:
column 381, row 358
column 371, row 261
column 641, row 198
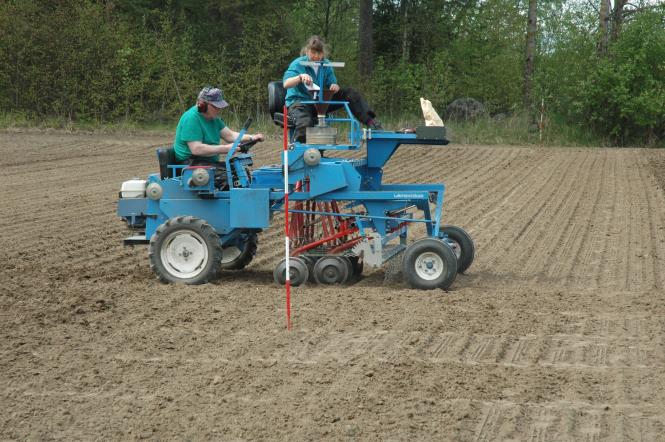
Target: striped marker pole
column 286, row 220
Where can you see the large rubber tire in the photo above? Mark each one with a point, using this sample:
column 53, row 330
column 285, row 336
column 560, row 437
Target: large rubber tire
column 185, row 250
column 462, row 245
column 237, row 258
column 428, row 264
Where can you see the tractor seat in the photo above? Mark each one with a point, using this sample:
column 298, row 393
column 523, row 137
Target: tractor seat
column 276, row 98
column 166, row 157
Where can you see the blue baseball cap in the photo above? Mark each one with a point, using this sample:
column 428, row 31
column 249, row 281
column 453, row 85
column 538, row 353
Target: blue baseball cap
column 214, row 96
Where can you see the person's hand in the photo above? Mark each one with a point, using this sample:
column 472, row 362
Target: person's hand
column 258, row 137
column 306, row 79
column 334, row 87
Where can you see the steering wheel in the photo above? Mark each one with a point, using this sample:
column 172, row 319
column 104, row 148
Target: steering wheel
column 245, row 146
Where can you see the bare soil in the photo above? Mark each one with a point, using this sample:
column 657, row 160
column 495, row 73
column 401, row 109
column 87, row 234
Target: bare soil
column 556, row 332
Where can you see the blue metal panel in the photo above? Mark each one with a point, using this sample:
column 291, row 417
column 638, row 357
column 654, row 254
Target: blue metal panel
column 268, row 177
column 379, row 151
column 353, row 178
column 382, row 145
column 326, row 177
column 250, row 208
column 132, row 207
column 214, row 211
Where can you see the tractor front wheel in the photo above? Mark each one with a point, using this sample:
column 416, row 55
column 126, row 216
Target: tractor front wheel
column 428, row 264
column 185, row 250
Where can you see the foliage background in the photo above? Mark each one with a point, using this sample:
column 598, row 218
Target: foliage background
column 106, row 61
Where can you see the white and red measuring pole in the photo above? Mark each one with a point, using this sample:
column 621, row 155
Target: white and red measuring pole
column 287, row 284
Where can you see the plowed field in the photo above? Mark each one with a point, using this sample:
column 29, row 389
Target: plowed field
column 556, row 332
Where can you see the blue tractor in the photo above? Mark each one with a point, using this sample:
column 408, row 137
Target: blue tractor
column 342, row 216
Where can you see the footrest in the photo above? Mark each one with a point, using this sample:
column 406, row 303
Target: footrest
column 134, row 240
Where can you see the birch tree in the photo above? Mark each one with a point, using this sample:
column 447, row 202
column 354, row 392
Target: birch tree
column 531, row 29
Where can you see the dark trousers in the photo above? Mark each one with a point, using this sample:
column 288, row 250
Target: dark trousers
column 305, row 114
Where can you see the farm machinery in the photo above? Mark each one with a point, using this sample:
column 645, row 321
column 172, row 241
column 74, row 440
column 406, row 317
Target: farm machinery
column 342, row 216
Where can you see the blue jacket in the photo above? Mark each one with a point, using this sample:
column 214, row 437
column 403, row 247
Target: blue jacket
column 300, row 92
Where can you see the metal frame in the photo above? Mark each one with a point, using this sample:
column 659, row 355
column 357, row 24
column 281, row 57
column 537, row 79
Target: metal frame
column 387, row 209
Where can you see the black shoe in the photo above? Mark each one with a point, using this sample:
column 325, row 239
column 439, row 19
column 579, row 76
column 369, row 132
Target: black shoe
column 375, row 125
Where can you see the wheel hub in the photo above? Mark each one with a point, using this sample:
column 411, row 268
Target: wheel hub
column 185, row 254
column 429, row 266
column 331, row 270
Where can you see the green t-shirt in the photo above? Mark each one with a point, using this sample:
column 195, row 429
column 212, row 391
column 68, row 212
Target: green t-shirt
column 194, row 127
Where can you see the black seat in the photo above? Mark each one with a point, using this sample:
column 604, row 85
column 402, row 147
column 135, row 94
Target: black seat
column 276, row 99
column 166, row 157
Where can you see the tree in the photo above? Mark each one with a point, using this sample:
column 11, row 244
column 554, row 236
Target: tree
column 623, row 97
column 406, row 27
column 531, row 28
column 617, row 18
column 365, row 38
column 604, row 19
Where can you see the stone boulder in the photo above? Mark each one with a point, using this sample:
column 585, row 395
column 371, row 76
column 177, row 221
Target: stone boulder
column 465, row 109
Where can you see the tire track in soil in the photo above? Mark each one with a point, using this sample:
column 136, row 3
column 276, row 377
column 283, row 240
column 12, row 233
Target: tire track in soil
column 649, row 245
column 656, row 209
column 560, row 261
column 507, row 220
column 586, row 266
column 564, row 420
column 559, row 221
column 452, row 163
column 628, row 277
column 459, row 168
column 554, row 225
column 464, row 205
column 548, row 353
column 522, row 238
column 611, row 262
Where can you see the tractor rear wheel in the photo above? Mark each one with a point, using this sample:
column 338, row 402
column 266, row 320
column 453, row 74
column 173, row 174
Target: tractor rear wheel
column 462, row 245
column 237, row 256
column 185, row 250
column 429, row 263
